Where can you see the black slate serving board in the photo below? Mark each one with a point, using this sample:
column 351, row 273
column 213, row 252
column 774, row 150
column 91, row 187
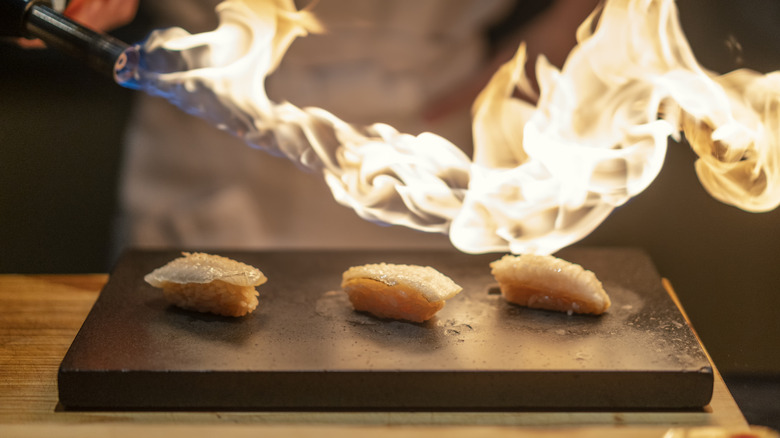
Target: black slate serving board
column 305, row 348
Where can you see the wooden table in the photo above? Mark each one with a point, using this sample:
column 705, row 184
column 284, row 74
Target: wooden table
column 40, row 315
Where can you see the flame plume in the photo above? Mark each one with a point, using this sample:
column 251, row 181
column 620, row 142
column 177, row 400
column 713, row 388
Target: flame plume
column 543, row 175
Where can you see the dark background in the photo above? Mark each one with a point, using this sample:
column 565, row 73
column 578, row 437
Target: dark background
column 61, row 146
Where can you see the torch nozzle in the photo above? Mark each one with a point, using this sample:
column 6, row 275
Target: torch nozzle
column 126, row 68
column 38, row 20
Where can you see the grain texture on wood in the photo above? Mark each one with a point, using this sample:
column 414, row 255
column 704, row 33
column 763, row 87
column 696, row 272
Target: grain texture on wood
column 41, row 314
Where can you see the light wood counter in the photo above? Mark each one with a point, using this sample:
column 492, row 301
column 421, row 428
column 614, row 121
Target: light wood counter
column 41, row 314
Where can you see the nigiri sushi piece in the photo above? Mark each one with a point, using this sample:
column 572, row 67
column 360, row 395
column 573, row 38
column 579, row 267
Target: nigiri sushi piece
column 551, row 283
column 408, row 292
column 209, row 283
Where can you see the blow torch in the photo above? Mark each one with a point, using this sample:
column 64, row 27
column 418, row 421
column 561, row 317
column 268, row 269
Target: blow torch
column 41, row 19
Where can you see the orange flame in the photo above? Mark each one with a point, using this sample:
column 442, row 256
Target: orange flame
column 543, row 176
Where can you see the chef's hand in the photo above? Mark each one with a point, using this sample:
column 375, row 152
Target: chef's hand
column 99, row 15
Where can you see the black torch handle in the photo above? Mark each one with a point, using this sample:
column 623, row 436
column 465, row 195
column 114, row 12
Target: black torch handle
column 98, row 50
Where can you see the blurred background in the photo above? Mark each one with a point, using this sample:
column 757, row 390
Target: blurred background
column 61, row 135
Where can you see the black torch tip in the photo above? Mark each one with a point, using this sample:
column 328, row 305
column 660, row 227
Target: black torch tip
column 36, row 19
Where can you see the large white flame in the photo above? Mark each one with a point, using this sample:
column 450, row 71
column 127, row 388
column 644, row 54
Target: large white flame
column 543, row 176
